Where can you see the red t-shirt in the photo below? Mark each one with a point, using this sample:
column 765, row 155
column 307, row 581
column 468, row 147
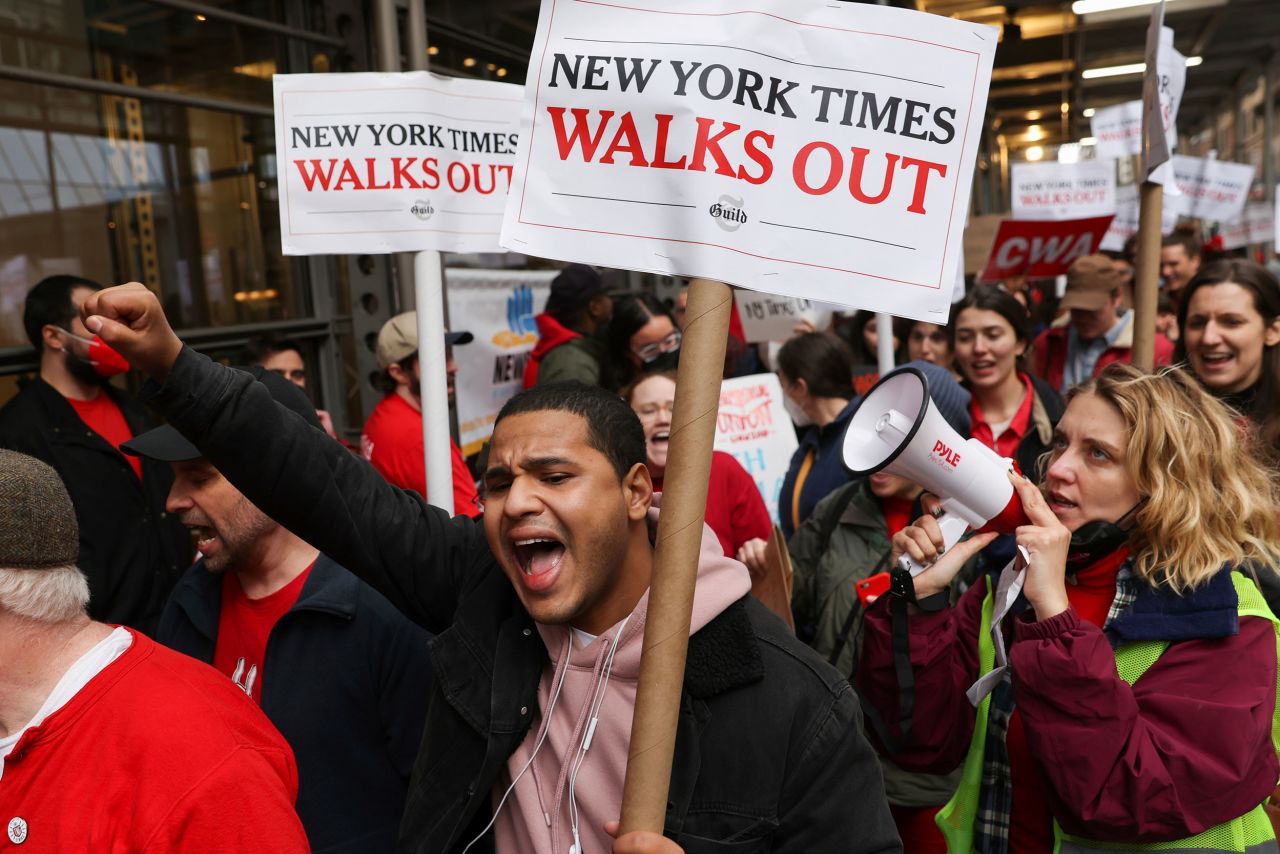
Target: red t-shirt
column 157, row 753
column 897, row 513
column 1006, row 444
column 736, row 511
column 1031, row 823
column 245, row 625
column 392, row 442
column 105, row 418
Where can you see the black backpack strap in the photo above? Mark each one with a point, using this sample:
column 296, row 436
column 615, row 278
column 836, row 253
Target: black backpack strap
column 846, row 628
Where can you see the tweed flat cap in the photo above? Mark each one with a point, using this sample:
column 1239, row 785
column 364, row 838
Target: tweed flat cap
column 37, row 522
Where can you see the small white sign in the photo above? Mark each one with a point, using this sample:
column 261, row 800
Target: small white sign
column 767, row 317
column 796, row 147
column 1118, row 130
column 1166, row 76
column 753, row 425
column 1210, row 189
column 1125, row 223
column 1255, row 225
column 1052, row 190
column 376, row 163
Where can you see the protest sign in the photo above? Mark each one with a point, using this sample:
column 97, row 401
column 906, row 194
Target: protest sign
column 1125, row 223
column 375, row 163
column 767, row 317
column 807, row 149
column 978, row 236
column 1210, row 189
column 753, row 425
column 1051, row 190
column 497, row 307
column 1162, row 85
column 1118, row 130
column 1254, row 225
column 1041, row 248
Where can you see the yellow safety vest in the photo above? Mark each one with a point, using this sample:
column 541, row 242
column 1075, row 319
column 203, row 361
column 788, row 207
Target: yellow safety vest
column 1251, row 833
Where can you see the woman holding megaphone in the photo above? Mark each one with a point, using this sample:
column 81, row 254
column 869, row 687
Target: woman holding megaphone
column 1139, row 699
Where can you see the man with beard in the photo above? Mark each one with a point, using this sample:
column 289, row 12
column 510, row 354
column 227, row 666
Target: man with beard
column 337, row 669
column 392, row 439
column 72, row 419
column 540, row 613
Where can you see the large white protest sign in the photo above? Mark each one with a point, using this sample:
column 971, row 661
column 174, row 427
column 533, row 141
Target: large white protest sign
column 497, row 307
column 1118, row 130
column 1210, row 189
column 753, row 425
column 1125, row 223
column 794, row 147
column 768, row 317
column 1051, row 190
column 375, row 163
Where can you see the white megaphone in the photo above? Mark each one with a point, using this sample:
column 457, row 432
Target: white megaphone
column 897, row 428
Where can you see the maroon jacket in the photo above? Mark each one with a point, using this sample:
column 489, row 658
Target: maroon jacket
column 1049, row 353
column 1188, row 746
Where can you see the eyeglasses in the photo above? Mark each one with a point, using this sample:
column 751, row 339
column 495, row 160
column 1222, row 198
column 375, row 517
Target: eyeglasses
column 650, row 352
column 650, row 411
column 293, row 376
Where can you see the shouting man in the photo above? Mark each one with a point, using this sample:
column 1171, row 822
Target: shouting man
column 317, row 649
column 540, row 612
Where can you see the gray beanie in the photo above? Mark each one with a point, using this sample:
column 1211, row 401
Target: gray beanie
column 37, row 522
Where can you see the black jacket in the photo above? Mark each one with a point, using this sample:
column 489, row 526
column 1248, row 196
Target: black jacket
column 131, row 551
column 769, row 753
column 345, row 680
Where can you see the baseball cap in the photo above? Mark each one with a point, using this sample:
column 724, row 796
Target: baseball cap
column 398, row 339
column 573, row 288
column 167, row 445
column 1092, row 281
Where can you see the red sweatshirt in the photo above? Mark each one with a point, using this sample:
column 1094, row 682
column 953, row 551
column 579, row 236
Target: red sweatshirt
column 157, row 753
column 1188, row 746
column 735, row 509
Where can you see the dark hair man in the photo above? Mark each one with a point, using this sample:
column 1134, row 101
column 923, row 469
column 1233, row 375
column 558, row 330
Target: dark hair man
column 72, row 419
column 108, row 741
column 1096, row 332
column 1179, row 260
column 283, row 356
column 392, row 439
column 570, row 344
column 541, row 613
column 337, row 669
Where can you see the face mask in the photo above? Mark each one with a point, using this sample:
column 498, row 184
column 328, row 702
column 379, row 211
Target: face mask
column 668, row 361
column 104, row 361
column 1095, row 540
column 798, row 416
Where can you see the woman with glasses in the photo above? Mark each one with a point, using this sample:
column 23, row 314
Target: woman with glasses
column 735, row 509
column 643, row 337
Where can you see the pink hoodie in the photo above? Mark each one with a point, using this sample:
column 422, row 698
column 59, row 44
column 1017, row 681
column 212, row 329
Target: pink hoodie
column 537, row 817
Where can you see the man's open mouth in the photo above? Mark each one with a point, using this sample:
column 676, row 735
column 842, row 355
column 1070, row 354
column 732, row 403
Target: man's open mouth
column 538, row 555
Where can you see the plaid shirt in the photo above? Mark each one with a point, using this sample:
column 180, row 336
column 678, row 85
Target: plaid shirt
column 995, row 799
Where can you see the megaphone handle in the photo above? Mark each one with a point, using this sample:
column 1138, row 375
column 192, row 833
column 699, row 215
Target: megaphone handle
column 953, row 527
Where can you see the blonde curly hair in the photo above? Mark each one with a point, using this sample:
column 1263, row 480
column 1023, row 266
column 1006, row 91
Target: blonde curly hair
column 1208, row 499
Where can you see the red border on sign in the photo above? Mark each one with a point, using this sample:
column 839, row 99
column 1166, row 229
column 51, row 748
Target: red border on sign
column 534, row 127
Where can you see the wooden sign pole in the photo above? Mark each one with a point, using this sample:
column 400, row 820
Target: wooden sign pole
column 675, row 566
column 1146, row 280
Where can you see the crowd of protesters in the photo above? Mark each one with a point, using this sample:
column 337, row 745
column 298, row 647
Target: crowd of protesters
column 289, row 649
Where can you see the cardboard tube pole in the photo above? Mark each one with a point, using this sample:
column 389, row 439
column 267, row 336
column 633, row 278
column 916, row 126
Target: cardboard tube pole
column 675, row 563
column 1146, row 280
